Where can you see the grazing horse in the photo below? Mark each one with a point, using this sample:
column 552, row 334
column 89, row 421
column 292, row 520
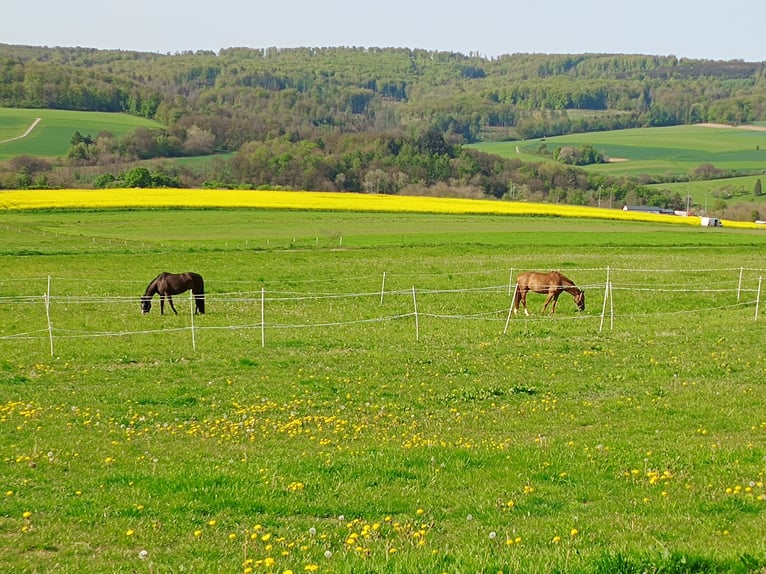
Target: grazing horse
column 167, row 284
column 552, row 284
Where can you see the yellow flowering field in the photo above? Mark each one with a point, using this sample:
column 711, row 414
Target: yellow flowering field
column 197, row 198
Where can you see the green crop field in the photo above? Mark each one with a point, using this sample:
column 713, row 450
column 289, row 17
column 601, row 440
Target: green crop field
column 356, row 398
column 705, row 192
column 52, row 135
column 669, row 150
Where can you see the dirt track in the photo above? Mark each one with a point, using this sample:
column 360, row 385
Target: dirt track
column 26, row 133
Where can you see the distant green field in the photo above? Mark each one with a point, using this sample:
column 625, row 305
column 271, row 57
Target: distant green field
column 52, row 135
column 733, row 190
column 663, row 151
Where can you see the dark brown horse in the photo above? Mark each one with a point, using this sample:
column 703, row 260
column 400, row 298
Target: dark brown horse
column 167, row 284
column 552, row 284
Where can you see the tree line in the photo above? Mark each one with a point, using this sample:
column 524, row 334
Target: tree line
column 254, row 94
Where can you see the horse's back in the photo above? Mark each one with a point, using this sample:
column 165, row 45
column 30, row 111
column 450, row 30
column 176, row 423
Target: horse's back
column 536, row 278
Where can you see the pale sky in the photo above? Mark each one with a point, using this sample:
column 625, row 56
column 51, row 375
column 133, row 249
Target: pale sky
column 731, row 30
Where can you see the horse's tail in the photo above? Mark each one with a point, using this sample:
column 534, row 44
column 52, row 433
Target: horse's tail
column 198, row 290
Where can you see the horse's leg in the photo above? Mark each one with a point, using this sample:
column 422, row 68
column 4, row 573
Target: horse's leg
column 162, row 304
column 555, row 300
column 170, row 300
column 524, row 302
column 547, row 301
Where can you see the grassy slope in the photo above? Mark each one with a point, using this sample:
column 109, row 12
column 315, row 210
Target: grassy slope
column 671, row 150
column 51, row 138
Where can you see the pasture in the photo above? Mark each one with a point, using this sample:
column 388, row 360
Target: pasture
column 672, row 150
column 51, row 137
column 355, row 398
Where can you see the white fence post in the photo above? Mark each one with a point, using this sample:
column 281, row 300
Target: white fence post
column 191, row 306
column 510, row 309
column 383, row 288
column 739, row 285
column 48, row 314
column 607, row 297
column 417, row 323
column 263, row 318
column 758, row 298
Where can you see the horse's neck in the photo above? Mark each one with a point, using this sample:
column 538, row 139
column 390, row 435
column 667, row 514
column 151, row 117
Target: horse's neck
column 151, row 290
column 569, row 287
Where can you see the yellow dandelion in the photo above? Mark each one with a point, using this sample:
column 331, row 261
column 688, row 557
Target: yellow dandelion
column 197, row 533
column 27, row 514
column 130, row 532
column 311, row 568
column 574, row 532
column 556, row 539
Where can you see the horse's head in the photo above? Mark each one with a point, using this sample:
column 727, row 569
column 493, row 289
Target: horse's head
column 146, row 304
column 580, row 300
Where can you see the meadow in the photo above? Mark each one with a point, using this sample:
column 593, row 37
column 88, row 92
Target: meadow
column 672, row 150
column 314, row 421
column 51, row 137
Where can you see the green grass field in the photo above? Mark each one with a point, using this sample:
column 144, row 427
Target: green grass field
column 52, row 135
column 661, row 151
column 357, row 436
column 733, row 190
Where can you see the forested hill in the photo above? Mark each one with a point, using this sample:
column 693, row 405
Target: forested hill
column 241, row 95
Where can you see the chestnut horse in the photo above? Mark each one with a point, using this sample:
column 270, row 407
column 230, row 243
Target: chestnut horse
column 167, row 284
column 552, row 284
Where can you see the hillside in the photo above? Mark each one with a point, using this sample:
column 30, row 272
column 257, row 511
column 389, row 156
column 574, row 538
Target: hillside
column 250, row 94
column 390, row 120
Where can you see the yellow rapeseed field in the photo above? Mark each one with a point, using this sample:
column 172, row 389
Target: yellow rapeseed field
column 303, row 200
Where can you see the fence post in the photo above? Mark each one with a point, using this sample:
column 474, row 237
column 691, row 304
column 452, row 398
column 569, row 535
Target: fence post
column 417, row 323
column 383, row 288
column 758, row 298
column 510, row 310
column 48, row 314
column 191, row 308
column 739, row 285
column 263, row 318
column 607, row 297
